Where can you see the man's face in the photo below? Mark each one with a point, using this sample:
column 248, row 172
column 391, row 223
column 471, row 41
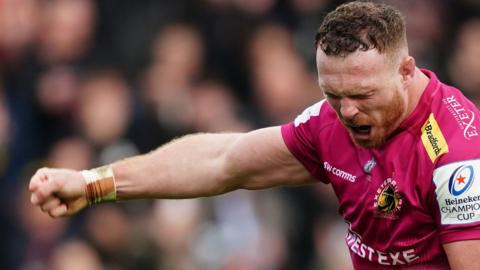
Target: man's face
column 365, row 89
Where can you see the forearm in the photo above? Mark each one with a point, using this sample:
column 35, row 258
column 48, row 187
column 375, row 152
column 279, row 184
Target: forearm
column 191, row 166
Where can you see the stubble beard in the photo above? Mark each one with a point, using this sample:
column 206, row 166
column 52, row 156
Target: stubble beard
column 386, row 126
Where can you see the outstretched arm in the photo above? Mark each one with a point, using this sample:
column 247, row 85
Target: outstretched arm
column 192, row 166
column 210, row 164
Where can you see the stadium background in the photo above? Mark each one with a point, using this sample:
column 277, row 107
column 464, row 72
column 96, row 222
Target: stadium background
column 84, row 82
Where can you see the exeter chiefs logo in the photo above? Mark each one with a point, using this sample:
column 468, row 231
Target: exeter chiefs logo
column 387, row 200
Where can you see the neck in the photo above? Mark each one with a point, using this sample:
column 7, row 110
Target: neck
column 419, row 84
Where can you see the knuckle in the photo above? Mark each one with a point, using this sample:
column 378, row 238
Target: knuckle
column 41, row 193
column 33, row 184
column 34, row 180
column 33, row 199
column 46, row 174
column 38, row 197
column 42, row 170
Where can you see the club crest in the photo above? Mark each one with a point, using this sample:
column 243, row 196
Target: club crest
column 388, row 201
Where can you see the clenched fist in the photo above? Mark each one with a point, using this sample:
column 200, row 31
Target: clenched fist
column 58, row 192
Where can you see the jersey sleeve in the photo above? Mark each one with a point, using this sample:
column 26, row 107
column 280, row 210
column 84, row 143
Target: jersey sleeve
column 457, row 192
column 301, row 139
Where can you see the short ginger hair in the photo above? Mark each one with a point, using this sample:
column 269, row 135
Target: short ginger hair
column 361, row 25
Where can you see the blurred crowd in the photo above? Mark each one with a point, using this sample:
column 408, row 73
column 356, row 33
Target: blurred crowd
column 84, row 83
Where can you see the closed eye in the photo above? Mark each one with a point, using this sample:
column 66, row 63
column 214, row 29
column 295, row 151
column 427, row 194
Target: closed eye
column 361, row 97
column 331, row 96
column 353, row 96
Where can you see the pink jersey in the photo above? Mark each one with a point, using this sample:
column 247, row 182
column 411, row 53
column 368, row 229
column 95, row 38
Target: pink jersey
column 403, row 200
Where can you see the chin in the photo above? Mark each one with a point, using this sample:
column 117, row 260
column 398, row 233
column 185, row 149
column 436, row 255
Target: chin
column 370, row 143
column 366, row 143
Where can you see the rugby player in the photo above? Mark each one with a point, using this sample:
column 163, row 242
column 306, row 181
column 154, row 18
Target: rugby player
column 400, row 148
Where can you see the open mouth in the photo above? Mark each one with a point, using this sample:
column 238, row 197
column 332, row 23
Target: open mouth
column 361, row 129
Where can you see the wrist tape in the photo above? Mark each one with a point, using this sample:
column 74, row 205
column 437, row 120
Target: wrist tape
column 100, row 185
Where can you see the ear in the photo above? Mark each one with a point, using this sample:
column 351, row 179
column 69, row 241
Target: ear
column 407, row 70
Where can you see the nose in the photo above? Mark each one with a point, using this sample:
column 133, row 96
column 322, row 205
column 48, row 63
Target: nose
column 348, row 108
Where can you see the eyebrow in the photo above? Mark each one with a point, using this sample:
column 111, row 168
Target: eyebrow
column 357, row 91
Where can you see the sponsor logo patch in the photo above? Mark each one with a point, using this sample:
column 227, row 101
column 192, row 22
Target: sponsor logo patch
column 464, row 117
column 461, row 180
column 338, row 172
column 433, row 140
column 391, row 257
column 388, row 201
column 458, row 192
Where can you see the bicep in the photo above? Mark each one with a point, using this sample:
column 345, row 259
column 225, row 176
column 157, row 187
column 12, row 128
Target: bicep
column 463, row 255
column 260, row 159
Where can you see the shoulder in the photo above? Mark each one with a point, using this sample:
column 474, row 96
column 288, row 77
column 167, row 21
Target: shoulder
column 455, row 172
column 459, row 121
column 318, row 115
column 316, row 123
column 450, row 133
